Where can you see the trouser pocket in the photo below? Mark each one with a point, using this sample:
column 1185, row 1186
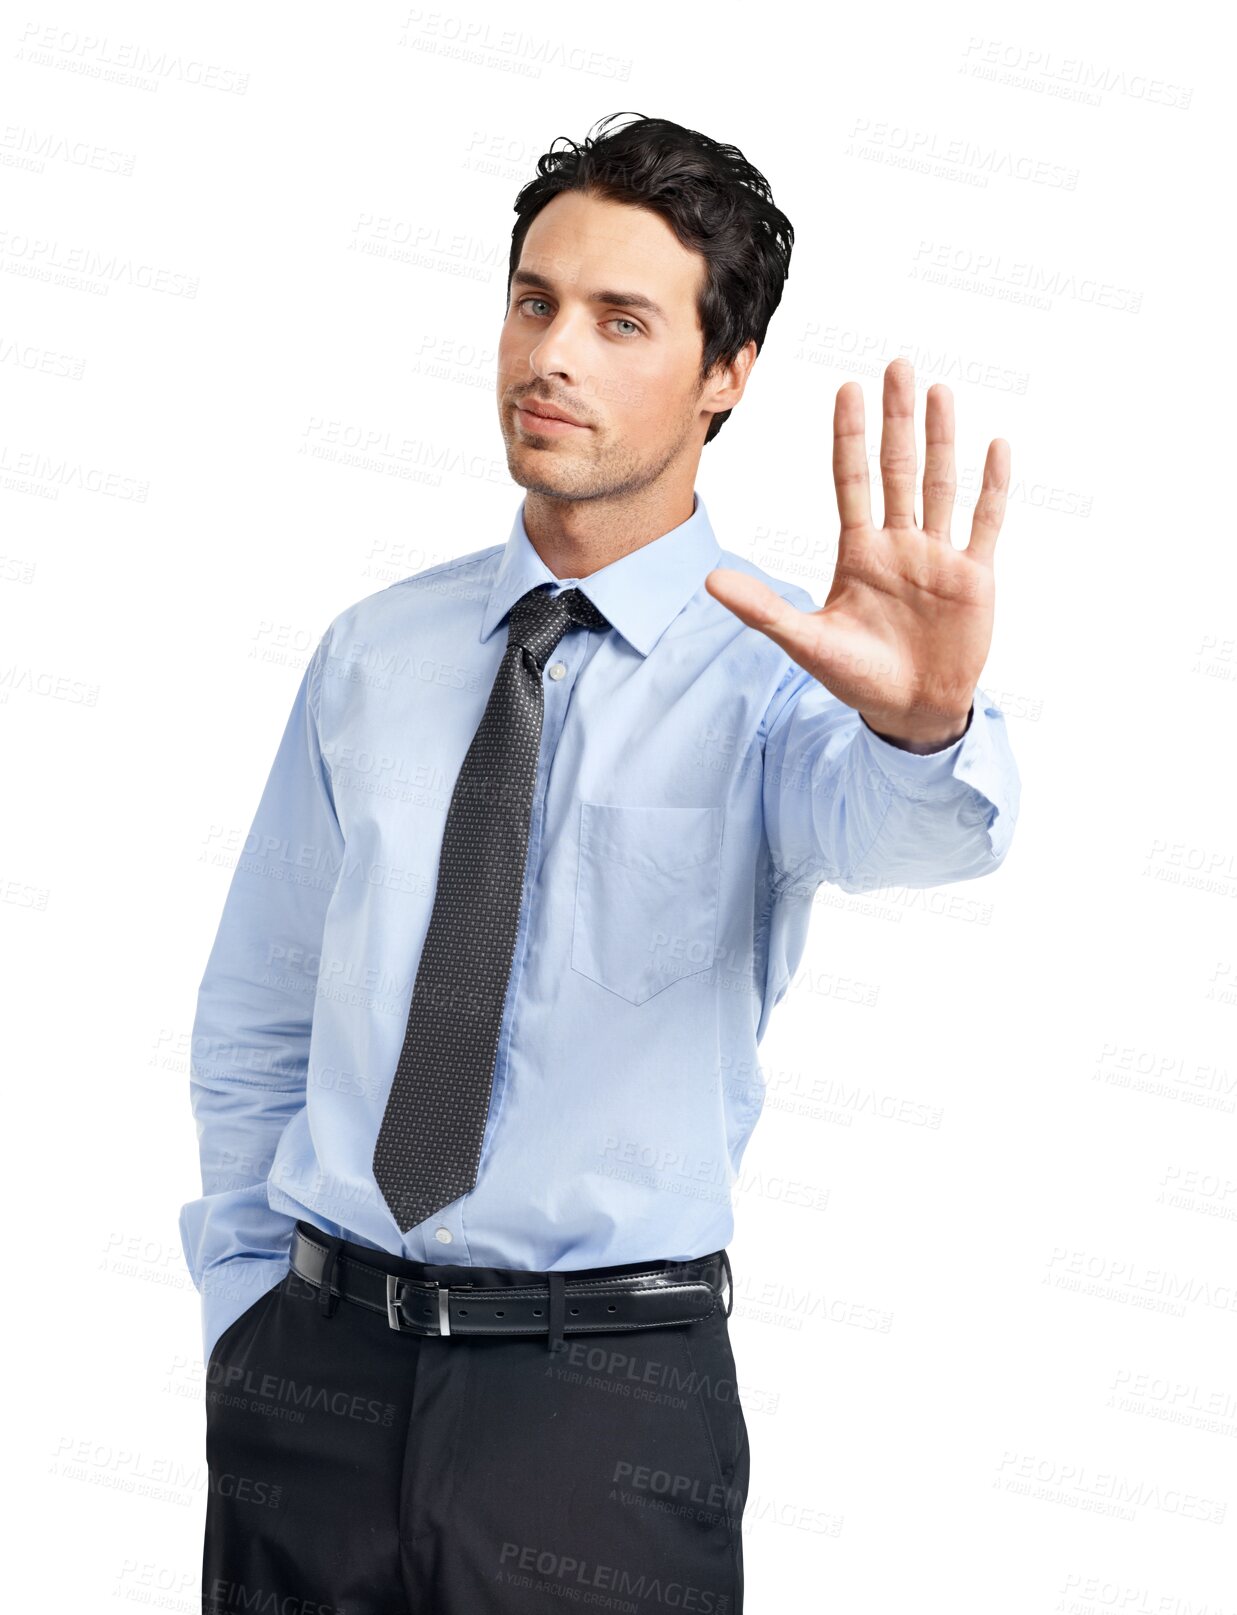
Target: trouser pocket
column 225, row 1345
column 711, row 1385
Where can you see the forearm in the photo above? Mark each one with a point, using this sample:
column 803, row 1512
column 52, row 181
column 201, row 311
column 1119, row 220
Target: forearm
column 845, row 805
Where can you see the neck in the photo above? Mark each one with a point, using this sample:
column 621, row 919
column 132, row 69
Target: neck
column 576, row 537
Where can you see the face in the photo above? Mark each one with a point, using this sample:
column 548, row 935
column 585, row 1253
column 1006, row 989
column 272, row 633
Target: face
column 602, row 325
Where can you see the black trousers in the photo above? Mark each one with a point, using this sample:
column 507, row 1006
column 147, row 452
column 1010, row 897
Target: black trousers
column 358, row 1470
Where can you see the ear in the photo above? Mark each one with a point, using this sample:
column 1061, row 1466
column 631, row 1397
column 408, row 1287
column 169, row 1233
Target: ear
column 724, row 386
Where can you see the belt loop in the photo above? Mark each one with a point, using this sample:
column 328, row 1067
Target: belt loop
column 729, row 1283
column 327, row 1300
column 558, row 1310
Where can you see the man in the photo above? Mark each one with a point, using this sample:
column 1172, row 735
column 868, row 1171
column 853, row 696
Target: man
column 533, row 866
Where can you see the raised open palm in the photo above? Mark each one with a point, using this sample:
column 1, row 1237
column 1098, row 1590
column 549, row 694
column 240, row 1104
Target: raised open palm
column 905, row 630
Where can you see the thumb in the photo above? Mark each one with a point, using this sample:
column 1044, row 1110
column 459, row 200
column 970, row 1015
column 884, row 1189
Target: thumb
column 759, row 606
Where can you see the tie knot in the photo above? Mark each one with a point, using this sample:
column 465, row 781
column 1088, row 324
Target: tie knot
column 539, row 619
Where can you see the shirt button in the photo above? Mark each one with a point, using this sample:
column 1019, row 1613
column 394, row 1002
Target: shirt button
column 443, row 1235
column 557, row 671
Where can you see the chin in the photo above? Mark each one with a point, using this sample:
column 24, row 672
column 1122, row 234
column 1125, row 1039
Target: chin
column 541, row 480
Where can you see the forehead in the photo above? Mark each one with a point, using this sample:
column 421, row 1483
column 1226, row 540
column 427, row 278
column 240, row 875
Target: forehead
column 578, row 245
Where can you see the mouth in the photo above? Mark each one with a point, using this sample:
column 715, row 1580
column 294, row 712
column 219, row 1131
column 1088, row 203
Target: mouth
column 548, row 425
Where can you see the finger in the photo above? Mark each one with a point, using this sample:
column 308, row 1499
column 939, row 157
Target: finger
column 850, row 458
column 990, row 506
column 939, row 477
column 759, row 606
column 898, row 445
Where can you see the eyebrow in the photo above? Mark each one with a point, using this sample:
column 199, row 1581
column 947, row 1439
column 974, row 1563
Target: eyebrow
column 529, row 277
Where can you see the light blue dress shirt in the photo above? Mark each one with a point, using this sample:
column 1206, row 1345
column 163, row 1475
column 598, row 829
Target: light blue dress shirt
column 694, row 788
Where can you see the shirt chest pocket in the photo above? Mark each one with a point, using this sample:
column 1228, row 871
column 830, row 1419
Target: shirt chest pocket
column 646, row 895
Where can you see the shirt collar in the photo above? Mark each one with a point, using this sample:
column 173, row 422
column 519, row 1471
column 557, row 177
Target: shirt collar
column 641, row 593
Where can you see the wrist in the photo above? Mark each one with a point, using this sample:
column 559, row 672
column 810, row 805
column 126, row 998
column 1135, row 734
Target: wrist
column 934, row 735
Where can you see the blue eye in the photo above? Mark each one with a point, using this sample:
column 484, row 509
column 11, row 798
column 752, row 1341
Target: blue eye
column 618, row 319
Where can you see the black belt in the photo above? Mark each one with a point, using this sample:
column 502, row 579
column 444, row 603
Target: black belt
column 566, row 1303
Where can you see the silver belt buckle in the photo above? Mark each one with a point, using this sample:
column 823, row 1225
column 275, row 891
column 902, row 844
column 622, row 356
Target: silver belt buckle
column 395, row 1316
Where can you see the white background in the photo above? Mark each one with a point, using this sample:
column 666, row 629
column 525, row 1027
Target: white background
column 240, row 241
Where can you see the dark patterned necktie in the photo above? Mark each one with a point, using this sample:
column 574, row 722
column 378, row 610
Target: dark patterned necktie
column 429, row 1145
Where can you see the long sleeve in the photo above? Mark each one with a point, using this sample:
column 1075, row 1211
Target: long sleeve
column 250, row 1044
column 844, row 806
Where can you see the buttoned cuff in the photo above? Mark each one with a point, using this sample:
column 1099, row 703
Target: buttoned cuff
column 914, row 773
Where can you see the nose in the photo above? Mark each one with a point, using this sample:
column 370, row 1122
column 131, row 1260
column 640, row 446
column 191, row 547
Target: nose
column 556, row 353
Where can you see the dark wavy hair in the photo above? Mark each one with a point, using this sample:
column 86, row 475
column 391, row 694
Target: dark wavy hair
column 714, row 200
